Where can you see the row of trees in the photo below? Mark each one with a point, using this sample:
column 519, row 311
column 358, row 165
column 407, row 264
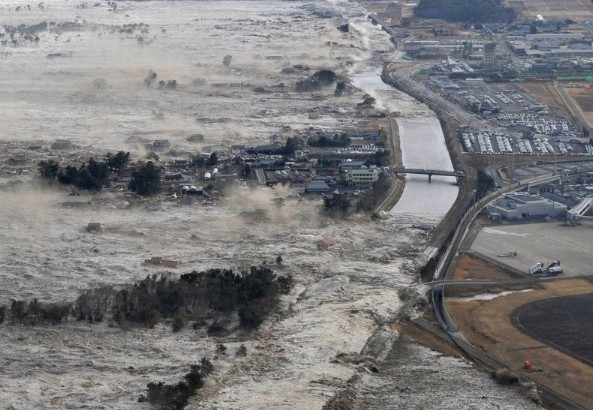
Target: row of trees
column 336, row 140
column 94, row 174
column 198, row 296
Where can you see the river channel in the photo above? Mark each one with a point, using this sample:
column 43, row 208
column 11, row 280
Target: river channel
column 423, row 146
column 421, row 137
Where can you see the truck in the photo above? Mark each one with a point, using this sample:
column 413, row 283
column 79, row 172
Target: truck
column 537, row 268
column 553, row 269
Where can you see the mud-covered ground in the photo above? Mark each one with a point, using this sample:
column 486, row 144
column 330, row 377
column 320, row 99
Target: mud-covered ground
column 91, row 92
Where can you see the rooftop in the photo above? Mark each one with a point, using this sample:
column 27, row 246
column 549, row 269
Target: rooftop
column 523, row 198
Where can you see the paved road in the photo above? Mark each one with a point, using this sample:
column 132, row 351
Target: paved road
column 426, row 287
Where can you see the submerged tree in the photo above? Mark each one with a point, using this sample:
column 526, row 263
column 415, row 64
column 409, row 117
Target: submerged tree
column 213, row 160
column 49, row 169
column 337, row 205
column 118, row 161
column 176, row 396
column 146, row 180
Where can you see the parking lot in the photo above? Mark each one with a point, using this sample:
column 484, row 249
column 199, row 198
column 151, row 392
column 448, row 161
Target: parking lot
column 487, row 142
column 539, row 242
column 530, row 128
column 517, row 112
column 495, row 98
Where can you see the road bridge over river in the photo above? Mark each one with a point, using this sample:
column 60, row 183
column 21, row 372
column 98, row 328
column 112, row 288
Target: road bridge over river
column 429, row 172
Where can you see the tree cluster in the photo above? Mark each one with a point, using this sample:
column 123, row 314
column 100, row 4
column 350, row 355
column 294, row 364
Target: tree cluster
column 92, row 175
column 308, row 84
column 195, row 296
column 336, row 140
column 201, row 161
column 252, row 293
column 146, row 180
column 380, row 158
column 340, row 88
column 176, row 396
column 213, row 160
column 338, row 205
column 485, row 184
column 466, row 11
column 152, row 77
column 292, row 144
column 36, row 313
column 325, row 77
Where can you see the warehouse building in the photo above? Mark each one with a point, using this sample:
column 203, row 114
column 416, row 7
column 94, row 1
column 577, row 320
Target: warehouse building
column 521, row 205
column 558, row 37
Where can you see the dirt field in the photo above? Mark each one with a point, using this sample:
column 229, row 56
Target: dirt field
column 561, row 9
column 584, row 101
column 546, row 94
column 468, row 266
column 487, row 325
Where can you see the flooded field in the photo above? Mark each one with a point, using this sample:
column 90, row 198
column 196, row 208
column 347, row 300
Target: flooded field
column 81, row 78
column 78, row 364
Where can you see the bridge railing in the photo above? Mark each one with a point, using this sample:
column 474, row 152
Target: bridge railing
column 428, row 171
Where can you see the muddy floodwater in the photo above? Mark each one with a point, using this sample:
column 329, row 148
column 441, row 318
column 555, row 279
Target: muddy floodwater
column 76, row 71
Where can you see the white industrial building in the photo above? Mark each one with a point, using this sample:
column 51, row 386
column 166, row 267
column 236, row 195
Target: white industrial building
column 521, row 205
column 361, row 177
column 562, row 37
